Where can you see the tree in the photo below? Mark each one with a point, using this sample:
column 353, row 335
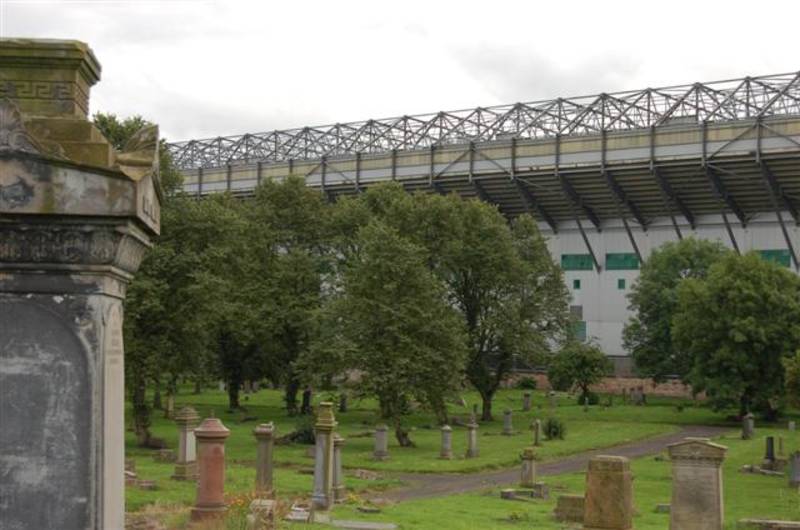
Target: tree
column 578, row 365
column 391, row 323
column 653, row 299
column 738, row 324
column 791, row 365
column 289, row 232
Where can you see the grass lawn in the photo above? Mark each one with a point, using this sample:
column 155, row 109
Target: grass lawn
column 746, row 495
column 597, row 427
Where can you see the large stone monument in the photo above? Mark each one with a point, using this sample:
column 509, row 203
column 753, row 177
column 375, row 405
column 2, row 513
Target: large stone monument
column 696, row 485
column 608, row 503
column 322, row 499
column 211, row 436
column 76, row 218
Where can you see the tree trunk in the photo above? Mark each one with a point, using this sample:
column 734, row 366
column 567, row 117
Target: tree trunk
column 305, row 408
column 402, row 436
column 157, row 395
column 290, row 396
column 141, row 412
column 233, row 394
column 486, row 413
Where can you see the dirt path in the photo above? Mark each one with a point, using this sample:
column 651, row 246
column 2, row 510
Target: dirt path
column 423, row 485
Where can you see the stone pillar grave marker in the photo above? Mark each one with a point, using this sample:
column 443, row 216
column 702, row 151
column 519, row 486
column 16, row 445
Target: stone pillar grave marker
column 526, row 401
column 339, row 489
column 211, row 436
column 186, row 459
column 265, row 446
column 748, row 426
column 472, row 440
column 381, row 451
column 77, row 218
column 446, row 451
column 322, row 498
column 609, row 494
column 697, row 502
column 537, row 432
column 528, row 471
column 508, row 426
column 794, row 470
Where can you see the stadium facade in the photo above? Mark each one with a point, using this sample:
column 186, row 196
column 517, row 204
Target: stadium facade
column 609, row 177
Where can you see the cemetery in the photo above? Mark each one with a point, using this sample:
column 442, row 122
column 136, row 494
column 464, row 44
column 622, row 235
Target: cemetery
column 294, row 362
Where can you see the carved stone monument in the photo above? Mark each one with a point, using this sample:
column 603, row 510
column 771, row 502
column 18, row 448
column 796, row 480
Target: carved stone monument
column 608, row 503
column 265, row 440
column 526, row 401
column 446, row 450
column 381, row 450
column 76, row 218
column 322, row 499
column 696, row 485
column 472, row 440
column 339, row 488
column 211, row 436
column 508, row 426
column 528, row 471
column 186, row 460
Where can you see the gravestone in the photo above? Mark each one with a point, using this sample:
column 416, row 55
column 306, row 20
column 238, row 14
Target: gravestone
column 322, row 499
column 569, row 508
column 792, row 426
column 748, row 426
column 265, row 444
column 339, row 489
column 609, row 494
column 508, row 427
column 381, row 451
column 446, row 451
column 472, row 440
column 696, row 485
column 210, row 503
column 769, row 453
column 528, row 471
column 526, row 401
column 186, row 461
column 76, row 219
column 794, row 470
column 537, row 432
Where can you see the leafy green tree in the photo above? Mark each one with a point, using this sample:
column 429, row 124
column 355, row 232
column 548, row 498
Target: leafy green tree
column 392, row 325
column 653, row 299
column 792, row 366
column 738, row 324
column 289, row 234
column 578, row 365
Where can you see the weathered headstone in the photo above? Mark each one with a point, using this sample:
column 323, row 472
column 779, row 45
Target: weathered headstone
column 794, row 470
column 569, row 508
column 696, row 485
column 322, row 499
column 748, row 426
column 609, row 494
column 211, row 436
column 169, row 409
column 472, row 440
column 265, row 444
column 526, row 401
column 381, row 450
column 508, row 426
column 446, row 451
column 528, row 472
column 77, row 219
column 339, row 489
column 792, row 426
column 186, row 459
column 537, row 432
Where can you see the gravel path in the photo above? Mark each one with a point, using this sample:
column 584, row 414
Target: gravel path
column 424, row 485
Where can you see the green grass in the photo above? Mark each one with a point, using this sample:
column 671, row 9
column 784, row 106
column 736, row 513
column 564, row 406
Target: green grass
column 746, row 495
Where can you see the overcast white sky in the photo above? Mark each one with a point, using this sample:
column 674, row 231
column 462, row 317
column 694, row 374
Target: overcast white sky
column 208, row 68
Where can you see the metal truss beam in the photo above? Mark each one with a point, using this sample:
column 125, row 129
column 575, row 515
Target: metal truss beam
column 620, row 196
column 673, row 197
column 721, row 101
column 531, row 204
column 775, row 194
column 722, row 194
column 577, row 201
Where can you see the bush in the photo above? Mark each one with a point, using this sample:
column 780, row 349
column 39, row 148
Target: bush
column 526, row 383
column 554, row 429
column 589, row 399
column 303, row 432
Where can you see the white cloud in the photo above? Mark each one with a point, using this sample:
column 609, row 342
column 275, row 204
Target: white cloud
column 207, row 68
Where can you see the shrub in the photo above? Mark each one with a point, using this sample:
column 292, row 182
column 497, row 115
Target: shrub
column 526, row 383
column 554, row 429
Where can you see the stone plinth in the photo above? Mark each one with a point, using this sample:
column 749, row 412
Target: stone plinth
column 211, row 436
column 265, row 443
column 339, row 489
column 446, row 450
column 322, row 498
column 569, row 508
column 528, row 471
column 696, row 485
column 472, row 441
column 381, row 451
column 186, row 459
column 609, row 494
column 75, row 221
